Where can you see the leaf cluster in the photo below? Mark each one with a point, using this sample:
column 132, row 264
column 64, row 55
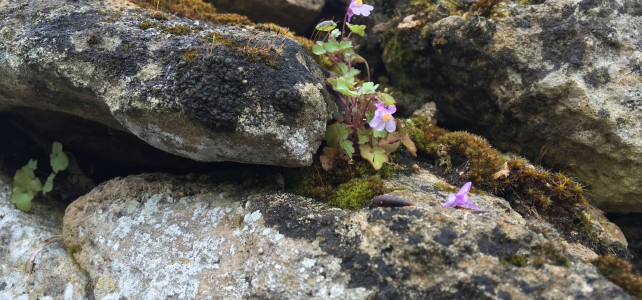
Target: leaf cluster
column 25, row 183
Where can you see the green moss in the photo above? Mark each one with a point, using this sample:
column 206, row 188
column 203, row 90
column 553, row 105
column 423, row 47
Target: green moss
column 518, row 260
column 550, row 253
column 316, row 183
column 193, row 9
column 177, row 29
column 190, row 55
column 357, row 193
column 478, row 159
column 620, row 273
column 73, row 250
column 146, row 24
column 157, row 15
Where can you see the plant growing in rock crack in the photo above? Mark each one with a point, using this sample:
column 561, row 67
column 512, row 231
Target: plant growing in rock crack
column 25, row 183
column 368, row 128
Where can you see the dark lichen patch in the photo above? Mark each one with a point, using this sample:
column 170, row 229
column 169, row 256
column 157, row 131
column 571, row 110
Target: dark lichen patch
column 446, row 236
column 563, row 42
column 93, row 39
column 370, row 271
column 212, row 91
column 597, row 77
column 620, row 272
column 287, row 101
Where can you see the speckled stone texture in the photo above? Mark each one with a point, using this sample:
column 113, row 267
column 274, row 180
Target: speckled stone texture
column 158, row 236
column 33, row 262
column 559, row 82
column 203, row 91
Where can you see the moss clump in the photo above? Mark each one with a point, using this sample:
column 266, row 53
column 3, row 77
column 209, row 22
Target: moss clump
column 316, row 183
column 620, row 273
column 73, row 250
column 518, row 260
column 550, row 253
column 157, row 15
column 177, row 29
column 147, row 24
column 193, row 9
column 472, row 154
column 190, row 55
column 271, row 27
column 357, row 192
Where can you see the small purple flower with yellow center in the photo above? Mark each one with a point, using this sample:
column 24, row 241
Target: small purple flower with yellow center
column 358, row 8
column 461, row 198
column 383, row 118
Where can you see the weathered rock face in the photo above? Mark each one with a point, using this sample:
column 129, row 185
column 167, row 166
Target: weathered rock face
column 559, row 82
column 160, row 236
column 33, row 263
column 298, row 15
column 198, row 90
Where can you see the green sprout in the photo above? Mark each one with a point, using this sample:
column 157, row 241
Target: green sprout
column 25, row 183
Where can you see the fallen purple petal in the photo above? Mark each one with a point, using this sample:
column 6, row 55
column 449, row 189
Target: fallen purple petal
column 461, row 199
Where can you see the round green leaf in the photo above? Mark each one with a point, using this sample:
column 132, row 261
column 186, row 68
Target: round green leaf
column 318, row 49
column 22, row 198
column 357, row 29
column 59, row 161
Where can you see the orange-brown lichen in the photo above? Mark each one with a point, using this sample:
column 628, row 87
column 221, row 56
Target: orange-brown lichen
column 619, row 272
column 193, row 9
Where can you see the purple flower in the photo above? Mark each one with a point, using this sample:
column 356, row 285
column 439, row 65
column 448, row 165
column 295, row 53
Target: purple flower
column 383, row 118
column 461, row 198
column 358, row 8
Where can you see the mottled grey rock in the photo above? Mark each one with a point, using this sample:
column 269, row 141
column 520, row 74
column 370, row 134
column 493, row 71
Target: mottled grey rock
column 157, row 236
column 208, row 92
column 33, row 262
column 298, row 15
column 559, row 82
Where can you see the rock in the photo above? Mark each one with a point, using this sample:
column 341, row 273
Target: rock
column 33, row 262
column 559, row 82
column 162, row 236
column 208, row 92
column 298, row 15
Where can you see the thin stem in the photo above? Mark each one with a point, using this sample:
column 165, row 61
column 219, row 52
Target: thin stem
column 367, row 69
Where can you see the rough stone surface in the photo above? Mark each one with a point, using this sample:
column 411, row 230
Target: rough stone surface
column 33, row 263
column 298, row 15
column 204, row 91
column 559, row 82
column 157, row 236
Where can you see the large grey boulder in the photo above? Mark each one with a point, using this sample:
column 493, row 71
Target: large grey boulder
column 298, row 15
column 33, row 262
column 559, row 82
column 208, row 92
column 159, row 236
